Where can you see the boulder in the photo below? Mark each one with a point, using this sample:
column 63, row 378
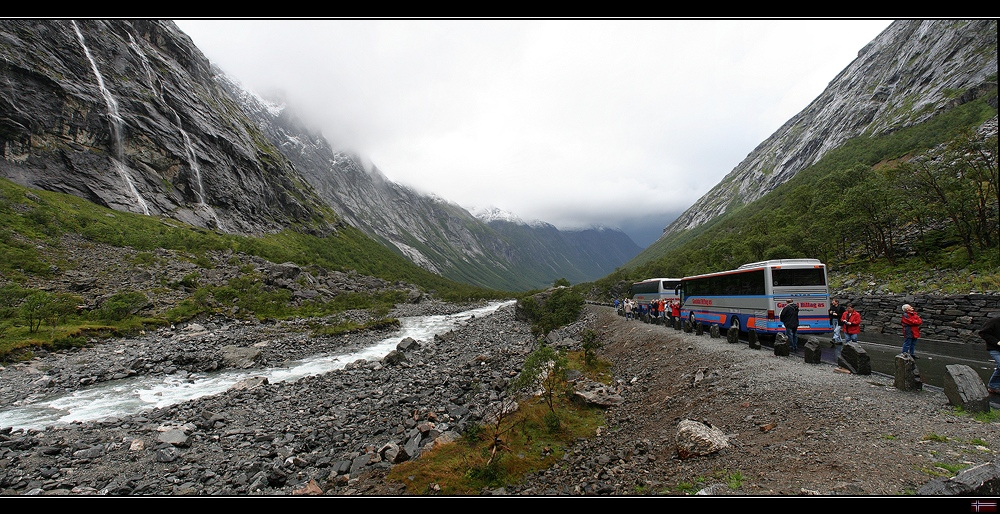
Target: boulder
column 714, row 332
column 407, row 344
column 240, row 357
column 964, row 388
column 981, row 480
column 812, row 350
column 394, row 358
column 753, row 340
column 249, row 383
column 733, row 335
column 781, row 347
column 596, row 393
column 695, row 439
column 907, row 375
column 855, row 359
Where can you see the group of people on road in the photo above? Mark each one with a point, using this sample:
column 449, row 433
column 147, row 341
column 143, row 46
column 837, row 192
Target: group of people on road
column 846, row 323
column 660, row 308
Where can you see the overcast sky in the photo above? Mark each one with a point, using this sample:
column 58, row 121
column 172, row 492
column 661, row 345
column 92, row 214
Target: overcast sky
column 621, row 123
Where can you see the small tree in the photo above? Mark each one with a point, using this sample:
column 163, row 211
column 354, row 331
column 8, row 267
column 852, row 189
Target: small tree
column 545, row 368
column 590, row 344
column 34, row 309
column 61, row 306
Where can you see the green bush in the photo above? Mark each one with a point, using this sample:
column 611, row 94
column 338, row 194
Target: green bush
column 121, row 305
column 561, row 307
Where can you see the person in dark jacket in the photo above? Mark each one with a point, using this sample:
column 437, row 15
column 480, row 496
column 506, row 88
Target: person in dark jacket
column 790, row 318
column 991, row 334
column 836, row 312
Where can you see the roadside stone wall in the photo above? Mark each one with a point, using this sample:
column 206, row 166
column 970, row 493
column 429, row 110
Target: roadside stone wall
column 953, row 318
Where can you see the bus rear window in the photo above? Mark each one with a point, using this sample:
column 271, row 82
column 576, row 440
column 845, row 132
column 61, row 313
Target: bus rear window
column 798, row 277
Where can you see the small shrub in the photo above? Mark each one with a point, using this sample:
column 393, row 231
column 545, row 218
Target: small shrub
column 590, row 344
column 121, row 305
column 552, row 422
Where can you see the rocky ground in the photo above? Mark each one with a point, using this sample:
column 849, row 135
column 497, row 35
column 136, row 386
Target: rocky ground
column 793, row 428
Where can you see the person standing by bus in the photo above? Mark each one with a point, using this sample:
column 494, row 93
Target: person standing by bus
column 675, row 309
column 790, row 318
column 991, row 334
column 836, row 312
column 911, row 329
column 851, row 320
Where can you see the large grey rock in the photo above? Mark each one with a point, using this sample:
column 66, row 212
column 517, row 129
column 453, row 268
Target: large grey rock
column 855, row 359
column 813, row 351
column 781, row 346
column 733, row 335
column 753, row 340
column 240, row 357
column 907, row 375
column 695, row 439
column 964, row 388
column 981, row 480
column 249, row 383
column 175, row 436
column 596, row 393
column 407, row 344
column 394, row 358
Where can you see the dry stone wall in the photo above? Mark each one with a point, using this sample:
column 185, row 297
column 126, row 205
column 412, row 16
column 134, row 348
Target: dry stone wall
column 954, row 318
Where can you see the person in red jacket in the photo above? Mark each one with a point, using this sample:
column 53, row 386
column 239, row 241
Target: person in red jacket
column 851, row 320
column 911, row 329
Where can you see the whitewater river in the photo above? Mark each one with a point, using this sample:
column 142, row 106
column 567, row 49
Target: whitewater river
column 119, row 398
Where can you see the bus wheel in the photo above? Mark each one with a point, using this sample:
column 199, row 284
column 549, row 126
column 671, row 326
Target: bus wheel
column 691, row 319
column 735, row 323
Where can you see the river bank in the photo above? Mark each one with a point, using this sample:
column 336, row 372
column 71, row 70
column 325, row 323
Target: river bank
column 261, row 438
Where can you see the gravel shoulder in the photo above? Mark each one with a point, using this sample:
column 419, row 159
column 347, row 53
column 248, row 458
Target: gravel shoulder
column 794, row 428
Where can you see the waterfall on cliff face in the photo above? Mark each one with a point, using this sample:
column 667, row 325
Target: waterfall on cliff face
column 116, row 124
column 190, row 154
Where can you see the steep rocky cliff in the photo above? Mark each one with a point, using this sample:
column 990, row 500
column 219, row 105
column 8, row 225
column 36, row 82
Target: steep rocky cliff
column 129, row 114
column 911, row 71
column 126, row 114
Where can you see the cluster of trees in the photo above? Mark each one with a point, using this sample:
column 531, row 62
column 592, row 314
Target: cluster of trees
column 547, row 312
column 33, row 308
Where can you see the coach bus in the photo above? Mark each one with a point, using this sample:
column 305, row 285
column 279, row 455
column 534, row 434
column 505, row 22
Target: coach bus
column 654, row 289
column 751, row 297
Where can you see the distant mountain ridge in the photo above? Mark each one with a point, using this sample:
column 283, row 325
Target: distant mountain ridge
column 434, row 233
column 129, row 114
column 909, row 72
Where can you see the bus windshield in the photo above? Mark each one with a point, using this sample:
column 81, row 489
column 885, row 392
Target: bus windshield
column 798, row 277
